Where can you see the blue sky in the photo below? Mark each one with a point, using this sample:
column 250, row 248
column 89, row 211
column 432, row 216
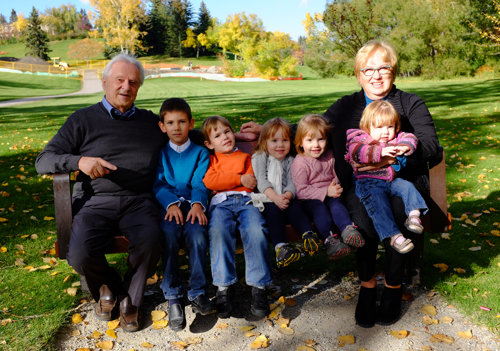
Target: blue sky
column 276, row 15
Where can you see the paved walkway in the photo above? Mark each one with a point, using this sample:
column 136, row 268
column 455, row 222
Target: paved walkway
column 91, row 84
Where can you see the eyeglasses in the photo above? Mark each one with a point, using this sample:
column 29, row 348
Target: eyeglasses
column 382, row 70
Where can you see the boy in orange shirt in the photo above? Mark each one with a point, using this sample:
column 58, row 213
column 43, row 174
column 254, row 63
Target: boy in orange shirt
column 231, row 176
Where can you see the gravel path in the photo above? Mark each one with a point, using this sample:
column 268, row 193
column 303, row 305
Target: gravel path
column 317, row 316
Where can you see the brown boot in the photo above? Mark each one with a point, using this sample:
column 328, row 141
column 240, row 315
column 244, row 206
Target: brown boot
column 104, row 307
column 129, row 316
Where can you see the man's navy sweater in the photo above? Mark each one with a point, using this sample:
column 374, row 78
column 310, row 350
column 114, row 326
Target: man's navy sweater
column 133, row 145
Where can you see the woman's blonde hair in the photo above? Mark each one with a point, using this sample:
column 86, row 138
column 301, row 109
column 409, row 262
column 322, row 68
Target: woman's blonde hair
column 379, row 113
column 388, row 54
column 269, row 129
column 210, row 123
column 310, row 124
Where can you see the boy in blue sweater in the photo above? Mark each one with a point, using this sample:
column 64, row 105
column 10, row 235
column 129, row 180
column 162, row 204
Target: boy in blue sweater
column 180, row 190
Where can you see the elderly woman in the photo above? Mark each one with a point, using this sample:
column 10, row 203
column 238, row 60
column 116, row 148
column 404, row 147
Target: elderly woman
column 376, row 67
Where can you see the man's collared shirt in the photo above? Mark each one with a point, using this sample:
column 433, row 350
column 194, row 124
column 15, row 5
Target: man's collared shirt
column 115, row 113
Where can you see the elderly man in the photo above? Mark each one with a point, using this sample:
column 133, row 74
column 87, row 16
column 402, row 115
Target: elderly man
column 115, row 146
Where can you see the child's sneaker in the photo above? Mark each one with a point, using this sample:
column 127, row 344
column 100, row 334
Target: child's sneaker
column 223, row 303
column 335, row 248
column 413, row 224
column 311, row 242
column 401, row 244
column 352, row 237
column 287, row 254
column 259, row 306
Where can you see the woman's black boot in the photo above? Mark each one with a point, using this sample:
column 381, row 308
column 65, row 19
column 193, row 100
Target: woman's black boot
column 366, row 309
column 389, row 310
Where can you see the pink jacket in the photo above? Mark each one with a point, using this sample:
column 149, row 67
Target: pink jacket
column 312, row 177
column 362, row 149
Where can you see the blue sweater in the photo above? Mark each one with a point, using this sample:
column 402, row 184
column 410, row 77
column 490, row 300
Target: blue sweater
column 180, row 175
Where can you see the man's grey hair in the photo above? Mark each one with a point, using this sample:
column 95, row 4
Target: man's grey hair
column 124, row 58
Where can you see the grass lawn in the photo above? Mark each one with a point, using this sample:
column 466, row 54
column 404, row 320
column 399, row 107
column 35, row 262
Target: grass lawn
column 34, row 297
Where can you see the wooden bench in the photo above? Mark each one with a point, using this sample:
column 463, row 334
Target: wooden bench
column 63, row 213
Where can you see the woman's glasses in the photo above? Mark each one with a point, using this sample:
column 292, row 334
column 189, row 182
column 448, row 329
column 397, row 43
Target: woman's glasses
column 382, row 70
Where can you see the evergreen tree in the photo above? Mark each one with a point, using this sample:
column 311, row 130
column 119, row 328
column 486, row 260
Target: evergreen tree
column 37, row 41
column 156, row 28
column 204, row 20
column 13, row 16
column 2, row 19
column 180, row 18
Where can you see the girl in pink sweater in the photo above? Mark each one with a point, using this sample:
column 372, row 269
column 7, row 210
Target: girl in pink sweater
column 380, row 137
column 318, row 187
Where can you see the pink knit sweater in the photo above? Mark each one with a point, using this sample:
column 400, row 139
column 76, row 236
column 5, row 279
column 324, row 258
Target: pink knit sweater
column 363, row 150
column 312, row 176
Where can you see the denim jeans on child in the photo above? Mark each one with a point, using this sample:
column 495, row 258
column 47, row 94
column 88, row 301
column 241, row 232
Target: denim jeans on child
column 196, row 240
column 225, row 218
column 325, row 213
column 375, row 196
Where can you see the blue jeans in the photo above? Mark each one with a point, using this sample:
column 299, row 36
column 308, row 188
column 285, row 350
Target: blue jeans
column 375, row 195
column 326, row 213
column 225, row 218
column 195, row 238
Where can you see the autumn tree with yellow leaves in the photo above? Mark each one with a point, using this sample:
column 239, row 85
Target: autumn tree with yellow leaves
column 119, row 21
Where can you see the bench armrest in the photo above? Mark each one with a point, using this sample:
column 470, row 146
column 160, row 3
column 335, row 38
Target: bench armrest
column 63, row 212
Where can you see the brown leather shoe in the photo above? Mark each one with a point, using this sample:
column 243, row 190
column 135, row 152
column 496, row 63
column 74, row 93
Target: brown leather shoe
column 129, row 316
column 104, row 307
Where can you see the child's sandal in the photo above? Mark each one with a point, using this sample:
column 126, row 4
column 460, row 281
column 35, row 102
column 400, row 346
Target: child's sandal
column 413, row 224
column 402, row 244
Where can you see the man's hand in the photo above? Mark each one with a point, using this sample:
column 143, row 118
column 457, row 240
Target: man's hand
column 174, row 212
column 95, row 167
column 334, row 190
column 196, row 212
column 248, row 180
column 249, row 131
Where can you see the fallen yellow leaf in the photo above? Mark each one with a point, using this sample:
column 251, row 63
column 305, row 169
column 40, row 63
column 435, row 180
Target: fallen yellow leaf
column 465, row 335
column 83, row 349
column 96, row 334
column 184, row 267
column 76, row 318
column 113, row 324
column 157, row 315
column 446, row 320
column 194, row 340
column 283, row 321
column 459, row 270
column 152, row 280
column 105, row 345
column 429, row 320
column 47, row 218
column 305, row 348
column 260, row 342
column 71, row 291
column 346, row 340
column 3, row 249
column 111, row 333
column 160, row 324
column 239, row 251
column 147, row 345
column 246, row 328
column 181, row 345
column 443, row 267
column 286, row 330
column 222, row 326
column 75, row 332
column 399, row 334
column 3, row 219
column 442, row 338
column 310, row 342
column 429, row 310
column 249, row 334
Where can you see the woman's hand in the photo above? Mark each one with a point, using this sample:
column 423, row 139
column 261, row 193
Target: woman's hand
column 385, row 161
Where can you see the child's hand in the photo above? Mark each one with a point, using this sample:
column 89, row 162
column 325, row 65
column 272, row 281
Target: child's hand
column 389, row 151
column 288, row 195
column 334, row 190
column 402, row 149
column 196, row 212
column 174, row 212
column 249, row 181
column 281, row 201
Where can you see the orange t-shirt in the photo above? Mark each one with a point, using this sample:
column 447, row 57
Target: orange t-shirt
column 225, row 171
